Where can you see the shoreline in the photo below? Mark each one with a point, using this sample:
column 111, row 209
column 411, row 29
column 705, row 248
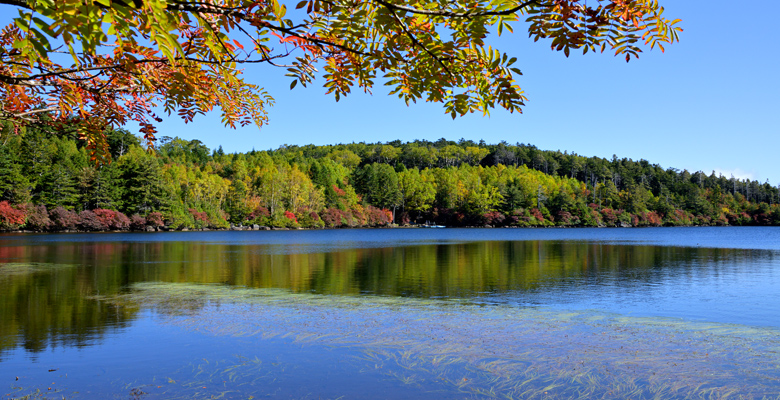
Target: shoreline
column 267, row 228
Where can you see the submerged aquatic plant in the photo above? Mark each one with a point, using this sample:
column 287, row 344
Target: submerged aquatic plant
column 8, row 270
column 456, row 348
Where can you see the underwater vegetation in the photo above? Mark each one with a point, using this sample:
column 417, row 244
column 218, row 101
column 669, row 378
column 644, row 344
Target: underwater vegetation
column 10, row 270
column 457, row 349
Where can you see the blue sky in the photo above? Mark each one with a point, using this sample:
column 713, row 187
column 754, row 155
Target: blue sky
column 711, row 102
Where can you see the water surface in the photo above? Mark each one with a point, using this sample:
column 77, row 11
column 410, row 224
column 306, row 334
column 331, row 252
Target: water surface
column 99, row 308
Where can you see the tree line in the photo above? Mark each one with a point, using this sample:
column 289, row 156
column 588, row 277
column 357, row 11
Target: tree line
column 48, row 183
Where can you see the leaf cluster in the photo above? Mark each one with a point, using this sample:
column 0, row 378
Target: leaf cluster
column 95, row 64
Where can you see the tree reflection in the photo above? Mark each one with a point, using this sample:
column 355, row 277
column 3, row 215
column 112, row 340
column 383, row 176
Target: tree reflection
column 57, row 306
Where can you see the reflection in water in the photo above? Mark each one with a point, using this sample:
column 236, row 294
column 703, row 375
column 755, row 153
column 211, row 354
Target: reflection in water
column 53, row 306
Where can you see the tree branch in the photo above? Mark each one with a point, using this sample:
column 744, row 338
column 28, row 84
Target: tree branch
column 35, row 80
column 417, row 42
column 16, row 3
column 5, row 115
column 458, row 14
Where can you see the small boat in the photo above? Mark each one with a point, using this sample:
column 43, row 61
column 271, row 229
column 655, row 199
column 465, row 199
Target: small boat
column 428, row 225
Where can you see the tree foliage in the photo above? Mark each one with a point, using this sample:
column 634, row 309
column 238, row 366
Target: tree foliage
column 95, row 64
column 350, row 185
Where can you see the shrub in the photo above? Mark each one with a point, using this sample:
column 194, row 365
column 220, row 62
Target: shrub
column 137, row 222
column 307, row 219
column 378, row 217
column 359, row 217
column 704, row 220
column 515, row 218
column 201, row 218
column 219, row 219
column 339, row 192
column 318, row 222
column 333, row 217
column 608, row 216
column 654, row 219
column 121, row 222
column 722, row 221
column 624, row 217
column 259, row 212
column 494, row 218
column 538, row 215
column 565, row 218
column 111, row 219
column 11, row 218
column 155, row 219
column 105, row 217
column 290, row 216
column 404, row 218
column 63, row 219
column 38, row 218
column 260, row 215
column 89, row 221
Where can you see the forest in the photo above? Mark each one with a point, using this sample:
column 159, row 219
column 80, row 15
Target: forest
column 48, row 182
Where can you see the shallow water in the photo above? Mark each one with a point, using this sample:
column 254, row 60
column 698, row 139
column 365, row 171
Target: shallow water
column 408, row 313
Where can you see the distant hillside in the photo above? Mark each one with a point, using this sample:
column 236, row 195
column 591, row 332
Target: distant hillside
column 48, row 183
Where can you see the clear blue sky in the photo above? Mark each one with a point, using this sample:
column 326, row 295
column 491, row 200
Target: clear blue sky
column 711, row 102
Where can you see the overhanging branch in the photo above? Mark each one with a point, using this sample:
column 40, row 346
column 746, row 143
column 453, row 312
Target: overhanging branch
column 457, row 14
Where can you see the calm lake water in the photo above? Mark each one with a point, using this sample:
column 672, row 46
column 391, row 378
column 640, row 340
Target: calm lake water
column 392, row 313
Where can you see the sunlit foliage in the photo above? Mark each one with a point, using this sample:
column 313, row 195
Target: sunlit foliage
column 103, row 63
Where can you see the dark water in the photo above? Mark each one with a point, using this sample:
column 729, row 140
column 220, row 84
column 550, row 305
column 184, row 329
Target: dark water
column 53, row 315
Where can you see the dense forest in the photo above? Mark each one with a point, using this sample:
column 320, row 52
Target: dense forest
column 48, row 183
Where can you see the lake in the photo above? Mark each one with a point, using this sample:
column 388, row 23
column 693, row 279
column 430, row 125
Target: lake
column 392, row 314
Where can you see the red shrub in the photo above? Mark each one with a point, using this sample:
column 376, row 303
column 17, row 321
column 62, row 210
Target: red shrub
column 63, row 219
column 494, row 218
column 653, row 219
column 634, row 220
column 89, row 221
column 200, row 217
column 722, row 221
column 290, row 216
column 137, row 222
column 376, row 216
column 537, row 214
column 10, row 217
column 104, row 216
column 565, row 218
column 111, row 219
column 155, row 219
column 359, row 216
column 121, row 222
column 260, row 211
column 762, row 218
column 333, row 217
column 338, row 191
column 609, row 216
column 38, row 218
